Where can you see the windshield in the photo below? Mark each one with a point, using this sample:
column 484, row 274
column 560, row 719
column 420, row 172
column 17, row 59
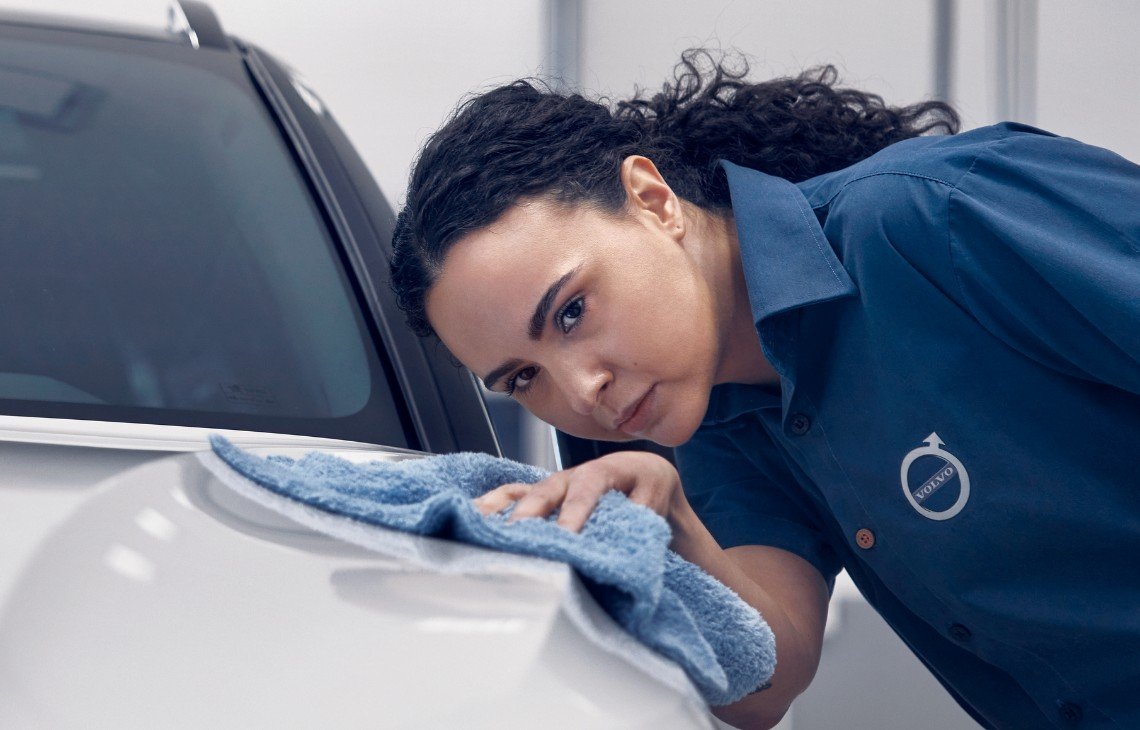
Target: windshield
column 164, row 261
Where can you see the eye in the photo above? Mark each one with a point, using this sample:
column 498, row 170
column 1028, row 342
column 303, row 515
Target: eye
column 569, row 316
column 521, row 380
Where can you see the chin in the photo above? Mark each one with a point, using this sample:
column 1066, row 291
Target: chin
column 672, row 439
column 676, row 428
column 683, row 420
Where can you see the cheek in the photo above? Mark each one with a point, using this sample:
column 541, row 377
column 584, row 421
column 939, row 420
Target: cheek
column 686, row 406
column 560, row 415
column 553, row 410
column 669, row 325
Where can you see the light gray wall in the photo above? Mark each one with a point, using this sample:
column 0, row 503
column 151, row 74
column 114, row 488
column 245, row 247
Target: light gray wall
column 639, row 41
column 1088, row 70
column 1088, row 60
column 391, row 71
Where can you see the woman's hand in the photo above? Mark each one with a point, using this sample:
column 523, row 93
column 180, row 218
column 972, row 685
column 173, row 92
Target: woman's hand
column 646, row 478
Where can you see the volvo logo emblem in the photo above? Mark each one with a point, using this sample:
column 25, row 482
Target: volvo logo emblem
column 918, row 494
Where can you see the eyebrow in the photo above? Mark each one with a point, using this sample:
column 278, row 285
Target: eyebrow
column 492, row 378
column 538, row 319
column 534, row 330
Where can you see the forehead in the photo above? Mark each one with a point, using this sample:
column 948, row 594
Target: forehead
column 482, row 301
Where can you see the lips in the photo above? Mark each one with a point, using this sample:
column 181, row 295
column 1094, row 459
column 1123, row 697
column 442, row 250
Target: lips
column 635, row 418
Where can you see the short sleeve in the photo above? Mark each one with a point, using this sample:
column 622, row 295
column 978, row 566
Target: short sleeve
column 740, row 504
column 1045, row 244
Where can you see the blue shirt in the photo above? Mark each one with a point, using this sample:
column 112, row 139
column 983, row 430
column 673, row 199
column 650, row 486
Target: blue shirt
column 956, row 326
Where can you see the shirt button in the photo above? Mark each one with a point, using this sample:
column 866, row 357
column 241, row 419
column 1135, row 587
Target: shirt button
column 865, row 539
column 800, row 424
column 959, row 632
column 1069, row 711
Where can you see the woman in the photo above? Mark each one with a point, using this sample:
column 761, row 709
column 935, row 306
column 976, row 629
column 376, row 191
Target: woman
column 911, row 356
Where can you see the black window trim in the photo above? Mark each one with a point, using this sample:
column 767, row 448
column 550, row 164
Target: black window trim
column 440, row 400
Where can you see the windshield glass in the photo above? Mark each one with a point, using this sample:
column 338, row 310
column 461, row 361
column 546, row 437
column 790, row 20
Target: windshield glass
column 164, row 261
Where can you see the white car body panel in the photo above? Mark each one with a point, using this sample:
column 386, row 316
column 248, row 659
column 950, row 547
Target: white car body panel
column 138, row 591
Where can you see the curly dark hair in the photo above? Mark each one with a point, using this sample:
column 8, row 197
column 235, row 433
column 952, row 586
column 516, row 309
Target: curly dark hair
column 525, row 140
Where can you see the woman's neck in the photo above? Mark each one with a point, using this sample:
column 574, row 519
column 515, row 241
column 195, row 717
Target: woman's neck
column 741, row 359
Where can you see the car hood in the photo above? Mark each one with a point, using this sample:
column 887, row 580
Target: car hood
column 166, row 599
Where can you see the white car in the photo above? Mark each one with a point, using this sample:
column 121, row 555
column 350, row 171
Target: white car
column 190, row 245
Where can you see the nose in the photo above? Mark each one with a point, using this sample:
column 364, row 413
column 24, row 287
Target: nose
column 584, row 386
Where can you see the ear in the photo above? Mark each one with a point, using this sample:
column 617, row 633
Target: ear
column 648, row 195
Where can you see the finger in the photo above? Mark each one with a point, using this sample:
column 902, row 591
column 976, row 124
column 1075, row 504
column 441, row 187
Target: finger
column 582, row 495
column 651, row 493
column 501, row 497
column 646, row 479
column 542, row 499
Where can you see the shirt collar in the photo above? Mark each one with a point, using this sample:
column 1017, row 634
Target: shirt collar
column 787, row 261
column 788, row 264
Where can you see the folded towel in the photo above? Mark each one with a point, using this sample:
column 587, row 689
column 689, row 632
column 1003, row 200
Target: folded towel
column 621, row 554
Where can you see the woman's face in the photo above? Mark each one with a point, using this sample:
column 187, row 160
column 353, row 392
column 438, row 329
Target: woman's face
column 599, row 324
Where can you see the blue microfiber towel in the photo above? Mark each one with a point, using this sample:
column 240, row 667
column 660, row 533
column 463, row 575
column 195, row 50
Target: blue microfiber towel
column 622, row 553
